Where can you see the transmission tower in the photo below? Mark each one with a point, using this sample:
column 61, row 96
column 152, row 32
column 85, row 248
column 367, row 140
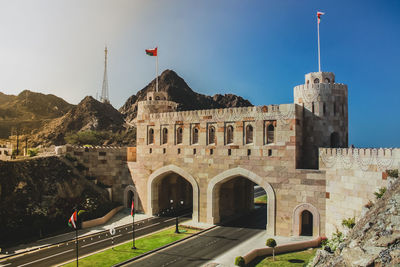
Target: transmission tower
column 104, row 91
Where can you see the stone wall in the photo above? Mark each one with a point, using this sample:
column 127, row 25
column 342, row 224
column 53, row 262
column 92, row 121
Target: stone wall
column 352, row 176
column 5, row 152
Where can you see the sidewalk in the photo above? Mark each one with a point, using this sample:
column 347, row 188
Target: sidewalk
column 121, row 218
column 257, row 241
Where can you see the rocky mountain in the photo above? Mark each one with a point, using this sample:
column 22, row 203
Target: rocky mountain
column 374, row 240
column 37, row 196
column 89, row 114
column 180, row 92
column 28, row 111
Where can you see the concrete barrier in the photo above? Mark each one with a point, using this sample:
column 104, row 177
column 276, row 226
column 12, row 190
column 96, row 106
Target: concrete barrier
column 102, row 220
column 281, row 249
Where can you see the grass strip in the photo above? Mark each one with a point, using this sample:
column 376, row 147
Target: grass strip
column 124, row 252
column 293, row 259
column 261, row 199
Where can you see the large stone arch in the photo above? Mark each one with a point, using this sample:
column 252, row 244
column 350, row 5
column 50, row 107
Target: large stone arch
column 212, row 202
column 162, row 172
column 296, row 218
column 135, row 197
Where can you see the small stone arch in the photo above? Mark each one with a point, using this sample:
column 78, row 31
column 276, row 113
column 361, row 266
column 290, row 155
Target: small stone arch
column 212, row 203
column 161, row 172
column 296, row 218
column 127, row 203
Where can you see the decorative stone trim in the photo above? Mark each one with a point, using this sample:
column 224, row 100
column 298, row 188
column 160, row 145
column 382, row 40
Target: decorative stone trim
column 161, row 172
column 212, row 202
column 296, row 218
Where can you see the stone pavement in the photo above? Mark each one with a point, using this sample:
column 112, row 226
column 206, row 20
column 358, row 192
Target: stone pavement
column 257, row 241
column 121, row 218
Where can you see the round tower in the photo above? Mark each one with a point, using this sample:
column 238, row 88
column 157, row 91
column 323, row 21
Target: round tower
column 156, row 102
column 324, row 115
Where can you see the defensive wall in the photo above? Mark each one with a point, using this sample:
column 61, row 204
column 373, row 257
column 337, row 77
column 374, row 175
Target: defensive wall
column 352, row 177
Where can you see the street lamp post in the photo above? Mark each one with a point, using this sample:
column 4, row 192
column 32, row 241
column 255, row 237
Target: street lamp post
column 176, row 220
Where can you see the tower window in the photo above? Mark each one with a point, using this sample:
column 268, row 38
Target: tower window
column 195, row 138
column 211, row 151
column 270, row 134
column 327, row 80
column 229, row 134
column 312, row 108
column 229, row 152
column 249, row 134
column 343, row 109
column 334, row 108
column 194, row 151
column 324, row 108
column 179, row 133
column 316, row 80
column 164, row 136
column 164, row 150
column 211, row 135
column 157, row 98
column 248, row 152
column 179, row 151
column 269, row 152
column 151, row 136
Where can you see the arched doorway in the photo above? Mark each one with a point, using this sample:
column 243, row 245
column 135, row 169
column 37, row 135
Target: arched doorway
column 306, row 219
column 231, row 192
column 172, row 183
column 129, row 194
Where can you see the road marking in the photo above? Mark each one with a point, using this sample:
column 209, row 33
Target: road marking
column 145, row 227
column 46, row 258
column 2, row 265
column 100, row 241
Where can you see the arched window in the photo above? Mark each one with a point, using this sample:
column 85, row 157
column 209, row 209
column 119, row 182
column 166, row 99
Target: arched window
column 306, row 219
column 335, row 140
column 157, row 98
column 195, row 136
column 151, row 136
column 316, row 80
column 150, row 98
column 229, row 134
column 164, row 136
column 249, row 134
column 327, row 80
column 270, row 134
column 179, row 133
column 211, row 135
column 324, row 108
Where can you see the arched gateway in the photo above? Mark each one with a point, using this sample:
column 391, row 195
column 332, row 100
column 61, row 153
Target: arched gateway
column 153, row 185
column 213, row 210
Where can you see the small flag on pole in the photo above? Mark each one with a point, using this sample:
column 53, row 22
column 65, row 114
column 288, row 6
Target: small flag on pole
column 319, row 14
column 132, row 209
column 152, row 52
column 72, row 221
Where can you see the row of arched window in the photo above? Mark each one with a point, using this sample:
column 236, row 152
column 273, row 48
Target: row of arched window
column 335, row 108
column 211, row 137
column 316, row 80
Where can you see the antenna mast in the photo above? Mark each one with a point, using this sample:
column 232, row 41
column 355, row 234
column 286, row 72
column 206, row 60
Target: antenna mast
column 104, row 91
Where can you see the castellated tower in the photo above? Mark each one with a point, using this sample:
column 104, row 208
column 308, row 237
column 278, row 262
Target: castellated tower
column 325, row 115
column 156, row 102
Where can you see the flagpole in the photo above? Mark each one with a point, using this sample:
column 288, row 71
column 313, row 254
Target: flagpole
column 133, row 225
column 76, row 238
column 319, row 51
column 157, row 71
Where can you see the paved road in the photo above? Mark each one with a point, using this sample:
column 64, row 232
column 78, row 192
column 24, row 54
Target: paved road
column 201, row 249
column 65, row 251
column 258, row 191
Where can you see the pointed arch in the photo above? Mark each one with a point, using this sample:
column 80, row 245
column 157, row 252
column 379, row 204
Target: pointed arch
column 296, row 218
column 161, row 173
column 213, row 201
column 130, row 189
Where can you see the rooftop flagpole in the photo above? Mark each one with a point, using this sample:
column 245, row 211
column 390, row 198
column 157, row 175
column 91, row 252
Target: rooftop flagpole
column 319, row 47
column 157, row 70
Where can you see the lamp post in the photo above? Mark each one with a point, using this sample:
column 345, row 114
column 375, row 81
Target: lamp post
column 176, row 220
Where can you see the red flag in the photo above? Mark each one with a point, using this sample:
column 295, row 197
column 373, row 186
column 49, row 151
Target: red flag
column 152, row 52
column 319, row 14
column 72, row 221
column 132, row 209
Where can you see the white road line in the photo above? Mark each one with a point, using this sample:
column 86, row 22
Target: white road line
column 46, row 258
column 3, row 265
column 100, row 241
column 145, row 227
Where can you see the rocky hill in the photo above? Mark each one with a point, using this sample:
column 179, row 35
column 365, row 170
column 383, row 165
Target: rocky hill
column 89, row 114
column 29, row 111
column 180, row 92
column 374, row 240
column 37, row 196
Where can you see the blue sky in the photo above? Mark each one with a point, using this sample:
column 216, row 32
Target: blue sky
column 257, row 49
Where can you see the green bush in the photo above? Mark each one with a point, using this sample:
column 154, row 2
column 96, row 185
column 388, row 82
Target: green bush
column 380, row 192
column 393, row 173
column 239, row 261
column 271, row 242
column 335, row 241
column 32, row 152
column 349, row 222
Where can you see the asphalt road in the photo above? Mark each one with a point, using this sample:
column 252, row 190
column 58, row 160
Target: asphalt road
column 65, row 251
column 205, row 247
column 258, row 191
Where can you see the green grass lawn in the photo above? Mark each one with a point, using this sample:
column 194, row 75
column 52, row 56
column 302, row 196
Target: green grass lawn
column 261, row 199
column 124, row 252
column 293, row 259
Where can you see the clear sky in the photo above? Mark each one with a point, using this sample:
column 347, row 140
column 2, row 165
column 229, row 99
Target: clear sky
column 258, row 49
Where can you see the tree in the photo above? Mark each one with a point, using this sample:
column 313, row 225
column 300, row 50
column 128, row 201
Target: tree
column 272, row 244
column 239, row 261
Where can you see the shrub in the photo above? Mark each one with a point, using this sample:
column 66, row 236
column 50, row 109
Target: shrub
column 239, row 261
column 349, row 222
column 393, row 173
column 272, row 244
column 380, row 192
column 32, row 152
column 334, row 242
column 70, row 158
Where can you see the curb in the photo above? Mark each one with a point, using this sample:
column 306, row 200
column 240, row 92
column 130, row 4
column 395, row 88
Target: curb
column 163, row 247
